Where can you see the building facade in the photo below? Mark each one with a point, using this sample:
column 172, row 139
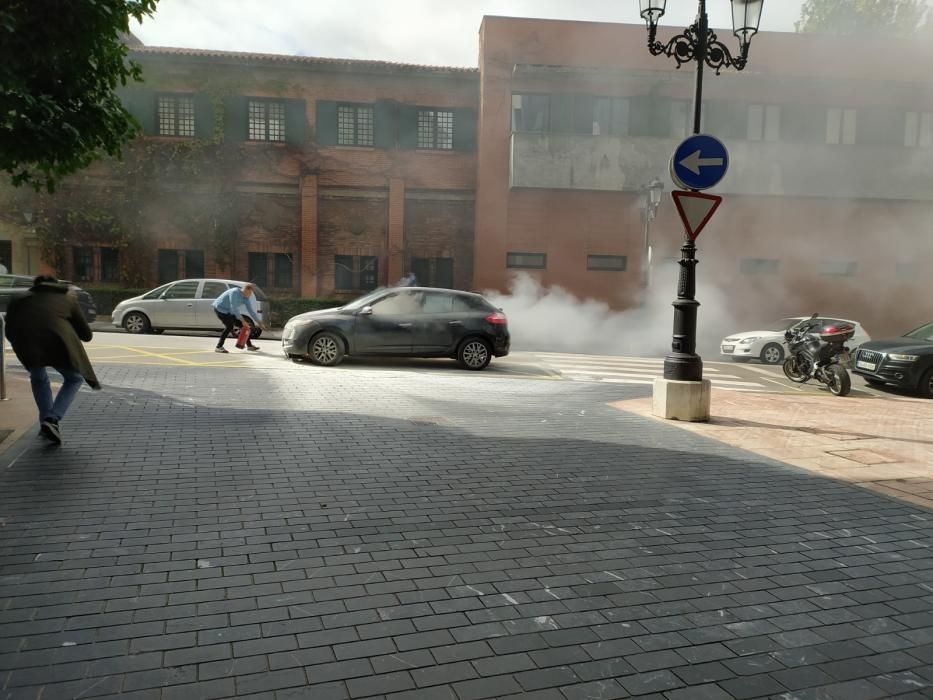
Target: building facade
column 328, row 177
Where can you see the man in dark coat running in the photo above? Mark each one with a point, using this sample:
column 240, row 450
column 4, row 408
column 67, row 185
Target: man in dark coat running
column 45, row 328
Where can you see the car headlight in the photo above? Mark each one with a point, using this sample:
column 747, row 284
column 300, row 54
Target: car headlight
column 902, row 358
column 747, row 341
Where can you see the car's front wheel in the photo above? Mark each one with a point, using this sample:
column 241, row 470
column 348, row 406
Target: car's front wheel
column 772, row 354
column 326, row 349
column 135, row 322
column 474, row 354
column 926, row 384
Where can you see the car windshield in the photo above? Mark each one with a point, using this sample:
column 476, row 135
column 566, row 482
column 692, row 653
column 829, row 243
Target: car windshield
column 364, row 300
column 782, row 325
column 922, row 333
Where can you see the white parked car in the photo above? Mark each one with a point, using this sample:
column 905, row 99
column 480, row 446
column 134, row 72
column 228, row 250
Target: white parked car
column 181, row 305
column 768, row 345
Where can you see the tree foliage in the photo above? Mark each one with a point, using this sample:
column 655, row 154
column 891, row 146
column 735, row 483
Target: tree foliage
column 898, row 17
column 60, row 63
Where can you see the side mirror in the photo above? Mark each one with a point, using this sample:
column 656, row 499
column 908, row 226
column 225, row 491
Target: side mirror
column 366, row 311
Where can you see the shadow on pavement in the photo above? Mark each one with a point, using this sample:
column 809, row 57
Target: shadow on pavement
column 223, row 551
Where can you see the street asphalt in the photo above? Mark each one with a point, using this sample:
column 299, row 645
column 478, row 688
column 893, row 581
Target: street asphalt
column 280, row 530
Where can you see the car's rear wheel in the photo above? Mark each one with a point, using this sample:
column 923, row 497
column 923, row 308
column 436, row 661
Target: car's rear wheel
column 839, row 381
column 772, row 354
column 326, row 349
column 474, row 354
column 135, row 322
column 926, row 384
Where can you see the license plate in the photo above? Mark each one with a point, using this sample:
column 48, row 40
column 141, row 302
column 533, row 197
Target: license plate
column 862, row 364
column 728, row 348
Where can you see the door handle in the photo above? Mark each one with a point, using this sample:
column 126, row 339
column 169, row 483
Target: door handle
column 189, row 305
column 404, row 325
column 456, row 323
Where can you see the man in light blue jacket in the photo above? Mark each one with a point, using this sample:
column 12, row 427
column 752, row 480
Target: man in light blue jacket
column 231, row 305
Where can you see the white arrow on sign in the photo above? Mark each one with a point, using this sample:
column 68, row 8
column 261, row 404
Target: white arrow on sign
column 694, row 162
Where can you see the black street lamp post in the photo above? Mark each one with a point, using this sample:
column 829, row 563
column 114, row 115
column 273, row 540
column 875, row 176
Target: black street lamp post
column 652, row 200
column 700, row 45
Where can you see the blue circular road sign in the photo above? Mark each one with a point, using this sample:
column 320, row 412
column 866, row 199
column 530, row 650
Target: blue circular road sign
column 699, row 162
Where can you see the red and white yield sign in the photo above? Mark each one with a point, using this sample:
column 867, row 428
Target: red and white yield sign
column 695, row 209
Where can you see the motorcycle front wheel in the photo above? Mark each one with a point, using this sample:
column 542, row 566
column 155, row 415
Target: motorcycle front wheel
column 838, row 380
column 792, row 371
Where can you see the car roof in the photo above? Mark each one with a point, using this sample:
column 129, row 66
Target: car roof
column 446, row 290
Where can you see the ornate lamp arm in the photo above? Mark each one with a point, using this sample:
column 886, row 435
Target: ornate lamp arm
column 683, row 49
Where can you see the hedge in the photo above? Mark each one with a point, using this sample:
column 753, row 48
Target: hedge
column 283, row 308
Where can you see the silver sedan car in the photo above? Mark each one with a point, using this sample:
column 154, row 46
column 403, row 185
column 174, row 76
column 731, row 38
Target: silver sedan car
column 181, row 305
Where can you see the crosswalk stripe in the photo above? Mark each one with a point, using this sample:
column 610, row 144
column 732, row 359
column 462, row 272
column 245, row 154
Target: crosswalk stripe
column 622, row 375
column 609, row 369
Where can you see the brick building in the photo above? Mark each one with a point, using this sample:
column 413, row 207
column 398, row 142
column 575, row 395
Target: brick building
column 340, row 175
column 828, row 202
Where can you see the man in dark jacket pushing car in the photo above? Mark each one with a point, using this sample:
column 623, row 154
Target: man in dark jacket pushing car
column 45, row 328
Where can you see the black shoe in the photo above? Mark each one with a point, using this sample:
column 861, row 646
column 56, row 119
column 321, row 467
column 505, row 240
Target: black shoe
column 252, row 347
column 50, row 431
column 220, row 348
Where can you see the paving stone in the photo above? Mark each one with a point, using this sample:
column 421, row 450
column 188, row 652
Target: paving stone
column 400, row 566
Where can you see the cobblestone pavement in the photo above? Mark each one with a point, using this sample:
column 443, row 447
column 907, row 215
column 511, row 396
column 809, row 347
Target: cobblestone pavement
column 299, row 532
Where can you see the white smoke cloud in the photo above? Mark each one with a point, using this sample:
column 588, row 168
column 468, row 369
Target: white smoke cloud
column 553, row 319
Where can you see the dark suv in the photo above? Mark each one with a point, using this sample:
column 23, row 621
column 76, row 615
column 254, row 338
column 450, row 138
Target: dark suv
column 905, row 362
column 12, row 286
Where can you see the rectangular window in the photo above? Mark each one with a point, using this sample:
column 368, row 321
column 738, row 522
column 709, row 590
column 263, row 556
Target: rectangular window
column 681, row 119
column 356, row 272
column 257, row 264
column 266, row 120
column 283, row 271
column 531, row 261
column 369, row 272
column 433, row 272
column 436, row 129
column 621, row 108
column 839, row 268
column 194, row 263
column 918, row 132
column 530, row 112
column 176, row 115
column 109, row 265
column 343, row 272
column 759, row 266
column 84, row 264
column 764, row 122
column 168, row 265
column 607, row 263
column 840, row 126
column 354, row 125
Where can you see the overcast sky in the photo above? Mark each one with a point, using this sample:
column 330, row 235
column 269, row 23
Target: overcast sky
column 437, row 32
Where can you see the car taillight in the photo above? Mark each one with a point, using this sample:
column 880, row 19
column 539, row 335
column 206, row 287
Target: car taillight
column 497, row 318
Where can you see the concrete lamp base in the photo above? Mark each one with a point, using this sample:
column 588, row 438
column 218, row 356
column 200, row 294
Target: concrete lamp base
column 686, row 401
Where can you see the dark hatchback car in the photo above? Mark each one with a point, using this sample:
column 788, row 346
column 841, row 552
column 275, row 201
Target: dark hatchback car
column 402, row 321
column 12, row 286
column 905, row 362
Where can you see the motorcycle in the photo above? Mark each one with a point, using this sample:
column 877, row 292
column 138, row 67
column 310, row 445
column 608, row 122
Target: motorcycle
column 819, row 352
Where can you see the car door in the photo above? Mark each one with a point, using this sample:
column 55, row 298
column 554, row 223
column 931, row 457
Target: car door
column 175, row 308
column 204, row 305
column 385, row 326
column 434, row 328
